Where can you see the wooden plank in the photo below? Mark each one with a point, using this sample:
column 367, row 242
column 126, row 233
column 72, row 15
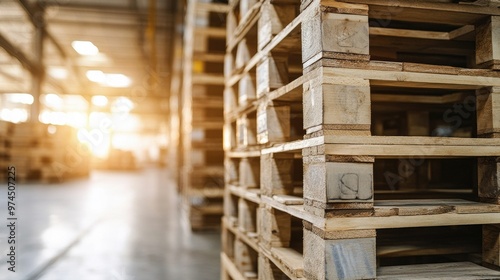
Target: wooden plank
column 457, row 270
column 212, row 7
column 210, row 31
column 293, row 146
column 274, row 17
column 420, row 11
column 447, row 219
column 407, row 33
column 268, row 270
column 248, row 194
column 208, row 79
column 246, row 24
column 416, row 207
column 243, row 154
column 424, row 99
column 412, row 79
column 231, row 268
column 393, row 146
column 288, row 199
column 398, row 251
column 291, row 260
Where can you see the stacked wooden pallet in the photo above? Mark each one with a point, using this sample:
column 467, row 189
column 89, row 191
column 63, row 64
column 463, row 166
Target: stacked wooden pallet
column 202, row 113
column 43, row 153
column 117, row 159
column 362, row 140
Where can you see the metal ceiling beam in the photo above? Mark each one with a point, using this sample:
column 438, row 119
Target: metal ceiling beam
column 103, row 8
column 19, row 55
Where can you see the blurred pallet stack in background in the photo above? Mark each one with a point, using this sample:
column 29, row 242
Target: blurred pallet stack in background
column 362, row 140
column 43, row 153
column 202, row 168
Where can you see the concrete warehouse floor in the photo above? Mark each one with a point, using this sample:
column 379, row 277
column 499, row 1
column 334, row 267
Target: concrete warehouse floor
column 113, row 226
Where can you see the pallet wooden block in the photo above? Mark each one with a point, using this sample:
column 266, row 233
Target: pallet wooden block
column 275, row 16
column 275, row 227
column 247, row 216
column 487, row 43
column 202, row 112
column 335, row 35
column 249, row 173
column 272, row 73
column 331, row 182
column 273, row 123
column 338, row 103
column 339, row 259
column 491, row 244
column 488, row 108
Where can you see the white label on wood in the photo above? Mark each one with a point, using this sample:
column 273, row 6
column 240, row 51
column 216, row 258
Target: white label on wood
column 349, row 181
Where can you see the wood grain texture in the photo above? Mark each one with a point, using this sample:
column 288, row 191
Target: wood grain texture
column 247, row 91
column 442, row 271
column 277, row 171
column 488, row 41
column 275, row 227
column 272, row 73
column 342, row 102
column 249, row 170
column 273, row 123
column 488, row 111
column 489, row 177
column 247, row 216
column 274, row 17
column 491, row 244
column 334, row 182
column 323, row 31
column 339, row 259
column 245, row 257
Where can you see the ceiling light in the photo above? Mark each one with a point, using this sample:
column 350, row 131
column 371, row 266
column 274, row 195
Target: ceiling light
column 96, row 76
column 85, row 47
column 109, row 80
column 99, row 100
column 117, row 80
column 53, row 100
column 58, row 73
column 21, row 98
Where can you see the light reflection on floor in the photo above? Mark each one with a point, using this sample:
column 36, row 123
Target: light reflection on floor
column 114, row 226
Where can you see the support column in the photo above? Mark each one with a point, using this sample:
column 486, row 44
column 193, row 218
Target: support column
column 37, row 76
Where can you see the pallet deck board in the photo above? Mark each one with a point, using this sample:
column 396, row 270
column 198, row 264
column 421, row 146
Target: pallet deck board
column 444, row 271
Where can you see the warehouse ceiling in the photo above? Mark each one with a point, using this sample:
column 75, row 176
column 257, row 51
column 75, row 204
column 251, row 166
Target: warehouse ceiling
column 133, row 39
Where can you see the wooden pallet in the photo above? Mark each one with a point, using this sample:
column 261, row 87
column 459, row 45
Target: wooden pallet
column 201, row 171
column 40, row 156
column 346, row 112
